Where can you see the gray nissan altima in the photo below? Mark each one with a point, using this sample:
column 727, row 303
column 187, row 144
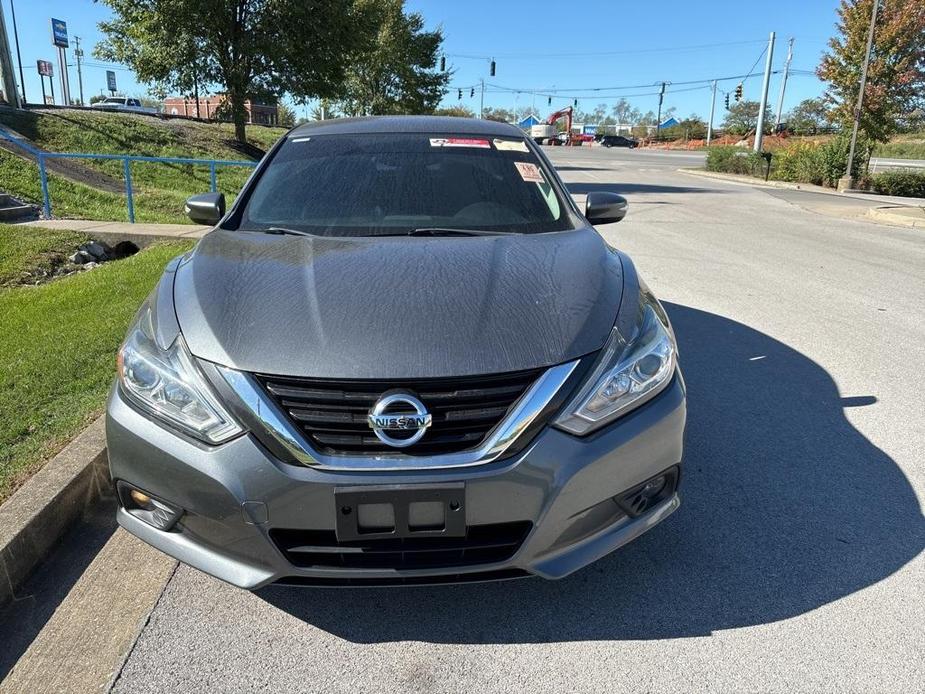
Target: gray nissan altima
column 403, row 356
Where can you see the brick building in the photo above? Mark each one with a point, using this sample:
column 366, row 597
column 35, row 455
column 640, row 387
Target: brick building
column 256, row 112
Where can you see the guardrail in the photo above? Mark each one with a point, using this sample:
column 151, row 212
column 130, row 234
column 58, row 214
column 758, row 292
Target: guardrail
column 127, row 159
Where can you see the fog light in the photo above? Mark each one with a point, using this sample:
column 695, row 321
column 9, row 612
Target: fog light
column 140, row 498
column 155, row 512
column 650, row 493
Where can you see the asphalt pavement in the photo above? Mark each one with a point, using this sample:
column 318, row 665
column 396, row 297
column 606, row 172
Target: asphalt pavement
column 795, row 562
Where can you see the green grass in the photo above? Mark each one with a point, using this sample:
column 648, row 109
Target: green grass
column 908, row 147
column 160, row 189
column 59, row 342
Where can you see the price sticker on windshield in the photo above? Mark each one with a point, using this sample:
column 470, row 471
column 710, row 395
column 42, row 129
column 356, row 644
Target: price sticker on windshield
column 459, row 142
column 529, row 172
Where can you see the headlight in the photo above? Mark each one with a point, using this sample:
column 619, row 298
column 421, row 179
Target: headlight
column 626, row 376
column 167, row 384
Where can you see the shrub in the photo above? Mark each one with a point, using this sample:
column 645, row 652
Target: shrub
column 799, row 161
column 735, row 160
column 909, row 184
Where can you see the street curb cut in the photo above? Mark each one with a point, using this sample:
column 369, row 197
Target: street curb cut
column 883, row 214
column 44, row 508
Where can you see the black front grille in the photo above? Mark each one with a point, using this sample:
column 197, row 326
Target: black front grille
column 482, row 544
column 333, row 414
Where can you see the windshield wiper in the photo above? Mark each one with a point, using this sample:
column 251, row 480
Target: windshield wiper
column 445, row 231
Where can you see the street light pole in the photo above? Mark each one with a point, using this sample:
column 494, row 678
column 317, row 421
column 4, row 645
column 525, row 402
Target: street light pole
column 79, row 54
column 22, row 80
column 759, row 131
column 847, row 181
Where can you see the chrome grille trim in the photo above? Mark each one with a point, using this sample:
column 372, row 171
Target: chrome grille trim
column 277, row 424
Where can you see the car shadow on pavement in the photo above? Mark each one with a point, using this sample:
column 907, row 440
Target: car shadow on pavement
column 787, row 507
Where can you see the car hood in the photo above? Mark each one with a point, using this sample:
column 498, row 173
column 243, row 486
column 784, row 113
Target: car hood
column 396, row 307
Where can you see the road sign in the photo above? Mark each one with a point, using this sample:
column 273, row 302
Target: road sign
column 59, row 33
column 46, row 69
column 111, row 80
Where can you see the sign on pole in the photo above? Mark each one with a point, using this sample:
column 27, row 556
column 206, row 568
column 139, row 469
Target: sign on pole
column 59, row 33
column 111, row 80
column 46, row 69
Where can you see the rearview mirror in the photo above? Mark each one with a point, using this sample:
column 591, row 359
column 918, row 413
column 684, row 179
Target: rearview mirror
column 206, row 208
column 605, row 208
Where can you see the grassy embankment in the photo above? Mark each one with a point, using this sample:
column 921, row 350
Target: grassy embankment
column 59, row 341
column 160, row 189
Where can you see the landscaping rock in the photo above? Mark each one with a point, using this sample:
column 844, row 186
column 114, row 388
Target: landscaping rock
column 89, row 265
column 96, row 250
column 77, row 258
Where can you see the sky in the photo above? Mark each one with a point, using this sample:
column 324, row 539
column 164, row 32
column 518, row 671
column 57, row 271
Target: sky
column 544, row 48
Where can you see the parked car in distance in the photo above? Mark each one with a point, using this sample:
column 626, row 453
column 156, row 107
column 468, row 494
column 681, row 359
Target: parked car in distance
column 404, row 356
column 618, row 141
column 123, row 103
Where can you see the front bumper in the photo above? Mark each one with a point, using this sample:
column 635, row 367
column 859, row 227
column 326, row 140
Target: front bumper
column 235, row 494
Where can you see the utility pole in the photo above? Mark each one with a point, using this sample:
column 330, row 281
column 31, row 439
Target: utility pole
column 848, row 180
column 22, row 80
column 712, row 109
column 783, row 85
column 482, row 97
column 78, row 53
column 658, row 120
column 759, row 132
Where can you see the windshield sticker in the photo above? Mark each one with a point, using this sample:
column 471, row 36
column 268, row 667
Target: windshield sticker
column 529, row 172
column 511, row 145
column 301, row 139
column 459, row 142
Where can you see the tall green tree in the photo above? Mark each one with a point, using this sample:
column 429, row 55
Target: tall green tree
column 247, row 48
column 742, row 118
column 396, row 72
column 808, row 117
column 896, row 74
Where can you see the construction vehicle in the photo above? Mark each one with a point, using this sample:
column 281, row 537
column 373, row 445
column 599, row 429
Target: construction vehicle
column 546, row 134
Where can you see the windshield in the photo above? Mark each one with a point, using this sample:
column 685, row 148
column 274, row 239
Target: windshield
column 388, row 183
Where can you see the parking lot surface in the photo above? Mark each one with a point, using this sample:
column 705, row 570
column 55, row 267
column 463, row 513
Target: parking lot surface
column 795, row 562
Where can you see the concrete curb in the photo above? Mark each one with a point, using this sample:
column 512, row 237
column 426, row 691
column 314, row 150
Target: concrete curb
column 759, row 182
column 42, row 510
column 887, row 215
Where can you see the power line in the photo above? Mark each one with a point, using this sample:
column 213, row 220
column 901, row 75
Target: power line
column 666, row 49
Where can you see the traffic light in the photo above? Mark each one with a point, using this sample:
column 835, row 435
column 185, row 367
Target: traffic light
column 471, row 92
column 442, row 63
column 460, row 94
column 575, row 103
column 739, row 91
column 492, row 71
column 727, row 101
column 549, row 101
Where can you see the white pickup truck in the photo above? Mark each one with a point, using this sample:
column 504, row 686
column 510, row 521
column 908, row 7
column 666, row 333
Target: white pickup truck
column 123, row 103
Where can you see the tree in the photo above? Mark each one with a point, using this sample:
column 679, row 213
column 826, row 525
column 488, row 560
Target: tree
column 395, row 73
column 324, row 110
column 502, row 115
column 742, row 118
column 256, row 49
column 96, row 98
column 285, row 115
column 458, row 111
column 808, row 117
column 896, row 74
column 624, row 113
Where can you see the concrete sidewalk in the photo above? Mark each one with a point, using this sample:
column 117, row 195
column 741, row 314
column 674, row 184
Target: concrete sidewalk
column 141, row 234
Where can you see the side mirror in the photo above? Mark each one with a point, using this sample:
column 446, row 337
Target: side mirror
column 605, row 208
column 206, row 208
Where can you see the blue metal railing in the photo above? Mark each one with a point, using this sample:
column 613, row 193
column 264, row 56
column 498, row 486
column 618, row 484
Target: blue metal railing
column 127, row 159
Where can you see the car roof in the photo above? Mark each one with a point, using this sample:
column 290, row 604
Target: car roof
column 407, row 124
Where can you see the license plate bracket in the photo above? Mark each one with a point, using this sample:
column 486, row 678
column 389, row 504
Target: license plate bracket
column 399, row 511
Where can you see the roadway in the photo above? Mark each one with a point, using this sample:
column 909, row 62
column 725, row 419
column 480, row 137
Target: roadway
column 795, row 562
